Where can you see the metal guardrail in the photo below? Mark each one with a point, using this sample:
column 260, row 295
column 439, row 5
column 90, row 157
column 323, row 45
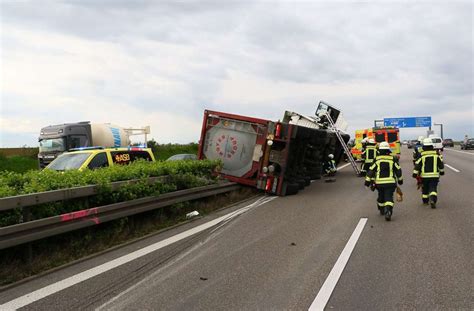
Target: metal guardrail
column 37, row 229
column 32, row 199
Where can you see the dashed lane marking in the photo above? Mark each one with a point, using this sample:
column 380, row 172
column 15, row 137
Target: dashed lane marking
column 328, row 287
column 454, row 169
column 85, row 275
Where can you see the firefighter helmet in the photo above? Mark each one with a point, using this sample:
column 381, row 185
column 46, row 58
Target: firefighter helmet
column 384, row 146
column 331, row 156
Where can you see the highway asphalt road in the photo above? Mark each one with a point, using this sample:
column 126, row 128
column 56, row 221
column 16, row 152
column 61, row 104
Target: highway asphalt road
column 276, row 256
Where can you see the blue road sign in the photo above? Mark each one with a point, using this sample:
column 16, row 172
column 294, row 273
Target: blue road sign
column 408, row 122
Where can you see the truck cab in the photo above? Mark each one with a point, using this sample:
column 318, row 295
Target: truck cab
column 56, row 139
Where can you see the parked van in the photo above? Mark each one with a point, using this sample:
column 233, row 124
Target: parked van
column 437, row 142
column 97, row 157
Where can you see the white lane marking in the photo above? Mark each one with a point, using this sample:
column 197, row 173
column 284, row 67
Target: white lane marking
column 460, row 151
column 328, row 287
column 107, row 305
column 85, row 275
column 260, row 201
column 341, row 167
column 454, row 169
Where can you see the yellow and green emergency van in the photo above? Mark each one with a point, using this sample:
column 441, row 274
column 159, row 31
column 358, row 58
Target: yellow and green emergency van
column 357, row 148
column 97, row 157
column 389, row 134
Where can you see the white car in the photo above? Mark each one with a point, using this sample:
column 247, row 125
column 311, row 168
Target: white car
column 182, row 156
column 437, row 142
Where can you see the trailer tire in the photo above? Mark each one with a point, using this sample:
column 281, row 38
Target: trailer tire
column 292, row 188
column 289, row 188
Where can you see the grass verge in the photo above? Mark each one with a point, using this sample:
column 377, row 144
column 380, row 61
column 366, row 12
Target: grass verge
column 18, row 164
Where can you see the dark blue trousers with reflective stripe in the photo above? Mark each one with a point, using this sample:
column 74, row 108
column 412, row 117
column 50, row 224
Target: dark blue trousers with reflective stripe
column 385, row 197
column 429, row 189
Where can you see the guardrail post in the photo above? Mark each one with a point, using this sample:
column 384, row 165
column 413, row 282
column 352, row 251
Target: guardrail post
column 26, row 216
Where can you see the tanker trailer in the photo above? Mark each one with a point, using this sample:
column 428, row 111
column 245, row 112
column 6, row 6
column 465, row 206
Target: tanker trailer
column 277, row 157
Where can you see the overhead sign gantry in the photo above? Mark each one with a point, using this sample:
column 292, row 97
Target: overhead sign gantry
column 408, row 122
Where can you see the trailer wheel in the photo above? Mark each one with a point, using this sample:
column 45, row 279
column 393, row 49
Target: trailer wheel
column 301, row 183
column 315, row 174
column 290, row 188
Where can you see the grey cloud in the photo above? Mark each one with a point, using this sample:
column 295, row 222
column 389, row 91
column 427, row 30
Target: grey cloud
column 359, row 42
column 303, row 42
column 168, row 21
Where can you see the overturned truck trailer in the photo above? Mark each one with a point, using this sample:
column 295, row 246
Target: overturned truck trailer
column 278, row 157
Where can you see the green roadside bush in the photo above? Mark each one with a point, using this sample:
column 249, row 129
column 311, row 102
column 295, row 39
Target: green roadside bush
column 183, row 175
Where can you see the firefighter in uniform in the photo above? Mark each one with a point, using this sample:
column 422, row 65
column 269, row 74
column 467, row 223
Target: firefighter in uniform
column 368, row 155
column 418, row 148
column 330, row 166
column 363, row 144
column 383, row 175
column 429, row 167
column 330, row 169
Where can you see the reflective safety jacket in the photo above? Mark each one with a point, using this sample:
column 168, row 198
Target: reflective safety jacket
column 330, row 166
column 369, row 154
column 384, row 171
column 429, row 165
column 418, row 149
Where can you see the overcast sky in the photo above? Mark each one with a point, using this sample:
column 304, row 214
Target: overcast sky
column 161, row 63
